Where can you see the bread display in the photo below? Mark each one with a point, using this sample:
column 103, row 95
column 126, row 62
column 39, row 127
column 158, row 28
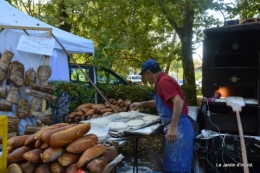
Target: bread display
column 87, row 111
column 90, row 154
column 63, row 138
column 82, row 144
column 40, row 157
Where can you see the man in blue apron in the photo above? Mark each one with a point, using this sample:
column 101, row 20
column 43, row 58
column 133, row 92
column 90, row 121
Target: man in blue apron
column 173, row 110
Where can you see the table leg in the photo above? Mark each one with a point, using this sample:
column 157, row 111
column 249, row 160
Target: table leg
column 135, row 148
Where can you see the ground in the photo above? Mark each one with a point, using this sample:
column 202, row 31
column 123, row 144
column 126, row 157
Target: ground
column 145, row 164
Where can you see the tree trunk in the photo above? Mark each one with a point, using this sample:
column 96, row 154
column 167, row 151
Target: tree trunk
column 63, row 17
column 189, row 87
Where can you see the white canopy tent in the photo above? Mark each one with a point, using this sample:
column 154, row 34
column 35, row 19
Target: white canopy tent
column 11, row 22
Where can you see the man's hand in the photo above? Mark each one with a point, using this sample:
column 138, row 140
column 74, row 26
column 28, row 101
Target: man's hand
column 172, row 134
column 134, row 106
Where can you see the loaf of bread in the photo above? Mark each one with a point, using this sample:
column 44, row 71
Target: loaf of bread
column 46, row 135
column 43, row 168
column 29, row 167
column 63, row 138
column 33, row 156
column 51, row 154
column 38, row 134
column 57, row 168
column 17, row 141
column 97, row 165
column 72, row 169
column 85, row 105
column 110, row 153
column 90, row 112
column 45, row 146
column 90, row 154
column 38, row 143
column 10, row 149
column 30, row 140
column 14, row 168
column 82, row 144
column 67, row 158
column 17, row 154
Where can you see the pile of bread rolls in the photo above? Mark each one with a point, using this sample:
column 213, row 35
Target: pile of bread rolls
column 59, row 148
column 89, row 110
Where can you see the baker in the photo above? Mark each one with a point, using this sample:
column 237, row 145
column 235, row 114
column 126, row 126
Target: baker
column 173, row 110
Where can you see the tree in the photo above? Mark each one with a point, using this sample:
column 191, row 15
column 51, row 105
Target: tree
column 126, row 33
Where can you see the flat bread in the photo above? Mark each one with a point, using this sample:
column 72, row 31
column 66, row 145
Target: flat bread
column 150, row 118
column 117, row 125
column 135, row 123
column 127, row 115
column 100, row 121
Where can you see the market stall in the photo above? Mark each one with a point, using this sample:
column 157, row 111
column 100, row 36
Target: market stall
column 14, row 25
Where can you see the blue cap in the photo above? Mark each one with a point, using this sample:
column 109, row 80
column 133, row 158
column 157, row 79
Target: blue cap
column 149, row 65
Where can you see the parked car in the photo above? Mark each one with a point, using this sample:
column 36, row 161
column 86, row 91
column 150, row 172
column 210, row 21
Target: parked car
column 96, row 74
column 135, row 79
column 180, row 82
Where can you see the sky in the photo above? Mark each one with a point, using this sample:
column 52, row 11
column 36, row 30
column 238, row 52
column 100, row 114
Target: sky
column 198, row 52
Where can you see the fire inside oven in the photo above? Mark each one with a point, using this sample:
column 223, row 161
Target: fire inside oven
column 245, row 92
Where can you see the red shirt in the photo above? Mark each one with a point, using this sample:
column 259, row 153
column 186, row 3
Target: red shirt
column 167, row 88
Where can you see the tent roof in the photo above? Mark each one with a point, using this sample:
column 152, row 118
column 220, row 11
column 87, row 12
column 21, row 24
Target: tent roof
column 10, row 16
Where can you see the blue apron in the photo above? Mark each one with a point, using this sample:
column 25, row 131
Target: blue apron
column 178, row 155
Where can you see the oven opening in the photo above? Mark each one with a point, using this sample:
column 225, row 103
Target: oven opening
column 245, row 92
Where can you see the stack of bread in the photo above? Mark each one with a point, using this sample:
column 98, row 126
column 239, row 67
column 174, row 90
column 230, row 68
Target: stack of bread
column 89, row 110
column 59, row 148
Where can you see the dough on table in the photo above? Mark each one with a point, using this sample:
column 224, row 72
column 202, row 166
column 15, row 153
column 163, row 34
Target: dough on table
column 150, row 118
column 135, row 123
column 100, row 121
column 117, row 125
column 127, row 114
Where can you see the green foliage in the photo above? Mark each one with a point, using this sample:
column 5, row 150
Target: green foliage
column 70, row 96
column 135, row 93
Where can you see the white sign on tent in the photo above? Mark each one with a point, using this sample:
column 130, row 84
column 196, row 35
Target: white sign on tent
column 42, row 46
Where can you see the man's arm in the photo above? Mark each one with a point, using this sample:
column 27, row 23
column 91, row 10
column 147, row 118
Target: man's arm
column 136, row 105
column 172, row 133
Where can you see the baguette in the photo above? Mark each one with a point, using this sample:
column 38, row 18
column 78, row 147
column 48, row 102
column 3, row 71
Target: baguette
column 30, row 140
column 85, row 105
column 72, row 114
column 97, row 165
column 46, row 135
column 57, row 168
column 14, row 168
column 63, row 138
column 51, row 154
column 38, row 143
column 72, row 169
column 90, row 112
column 43, row 168
column 33, row 156
column 45, row 146
column 110, row 153
column 17, row 154
column 82, row 144
column 29, row 167
column 67, row 158
column 17, row 141
column 38, row 134
column 90, row 154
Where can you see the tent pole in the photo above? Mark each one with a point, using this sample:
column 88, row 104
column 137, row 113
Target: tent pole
column 85, row 75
